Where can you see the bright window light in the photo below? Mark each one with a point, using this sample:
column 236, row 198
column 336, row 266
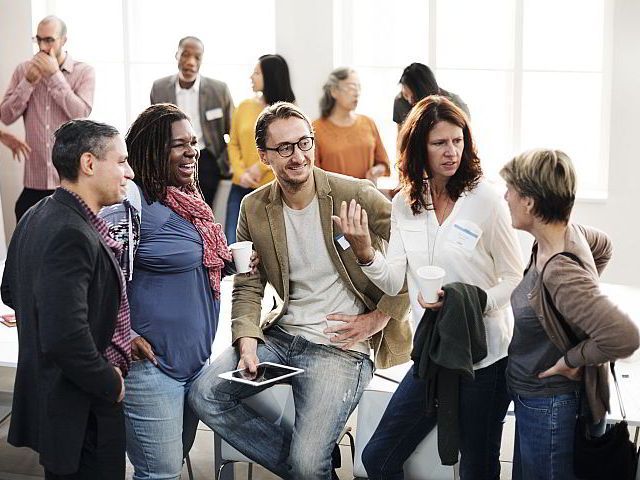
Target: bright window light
column 534, row 73
column 134, row 43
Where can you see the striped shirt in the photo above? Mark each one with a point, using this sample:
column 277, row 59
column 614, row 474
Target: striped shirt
column 119, row 351
column 65, row 95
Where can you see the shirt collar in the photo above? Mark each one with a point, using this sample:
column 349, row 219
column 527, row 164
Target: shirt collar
column 68, row 64
column 195, row 87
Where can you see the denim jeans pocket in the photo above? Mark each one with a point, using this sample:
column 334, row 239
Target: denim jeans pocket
column 535, row 404
column 349, row 354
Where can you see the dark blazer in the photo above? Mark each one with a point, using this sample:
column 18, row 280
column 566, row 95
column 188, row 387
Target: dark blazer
column 63, row 282
column 213, row 94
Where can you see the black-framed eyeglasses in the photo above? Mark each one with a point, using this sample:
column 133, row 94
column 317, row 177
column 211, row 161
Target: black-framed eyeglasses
column 286, row 149
column 48, row 40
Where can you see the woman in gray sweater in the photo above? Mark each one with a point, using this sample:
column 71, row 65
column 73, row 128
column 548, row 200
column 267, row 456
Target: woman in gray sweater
column 566, row 330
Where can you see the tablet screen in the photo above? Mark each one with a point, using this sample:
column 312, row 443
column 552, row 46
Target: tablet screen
column 264, row 373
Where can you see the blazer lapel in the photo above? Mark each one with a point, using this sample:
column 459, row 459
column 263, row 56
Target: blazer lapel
column 275, row 217
column 66, row 198
column 325, row 206
column 206, row 99
column 170, row 92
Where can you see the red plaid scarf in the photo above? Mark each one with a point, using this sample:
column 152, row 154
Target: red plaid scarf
column 188, row 203
column 119, row 351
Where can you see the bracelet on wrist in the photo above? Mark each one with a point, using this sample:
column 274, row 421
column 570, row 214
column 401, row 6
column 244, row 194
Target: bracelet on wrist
column 366, row 264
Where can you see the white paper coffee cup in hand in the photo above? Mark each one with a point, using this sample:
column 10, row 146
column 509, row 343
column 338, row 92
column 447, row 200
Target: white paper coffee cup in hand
column 430, row 278
column 241, row 253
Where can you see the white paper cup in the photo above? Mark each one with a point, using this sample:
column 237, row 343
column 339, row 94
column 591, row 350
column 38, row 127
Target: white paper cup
column 241, row 252
column 430, row 278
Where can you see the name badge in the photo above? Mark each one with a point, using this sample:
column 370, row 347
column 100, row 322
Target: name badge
column 340, row 240
column 465, row 234
column 213, row 114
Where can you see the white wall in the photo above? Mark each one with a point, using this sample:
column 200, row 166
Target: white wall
column 618, row 215
column 305, row 37
column 15, row 25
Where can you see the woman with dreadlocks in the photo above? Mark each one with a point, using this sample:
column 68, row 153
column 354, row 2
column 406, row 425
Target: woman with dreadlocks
column 174, row 294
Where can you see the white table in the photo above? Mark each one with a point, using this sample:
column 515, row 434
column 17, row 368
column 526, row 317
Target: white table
column 8, row 336
column 8, row 342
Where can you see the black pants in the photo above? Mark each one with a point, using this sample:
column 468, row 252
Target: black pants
column 208, row 175
column 103, row 450
column 27, row 199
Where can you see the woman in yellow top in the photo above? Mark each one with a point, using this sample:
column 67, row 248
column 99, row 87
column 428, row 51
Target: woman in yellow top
column 346, row 142
column 270, row 81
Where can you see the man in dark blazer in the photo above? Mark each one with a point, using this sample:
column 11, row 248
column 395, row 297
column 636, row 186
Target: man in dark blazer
column 209, row 105
column 67, row 289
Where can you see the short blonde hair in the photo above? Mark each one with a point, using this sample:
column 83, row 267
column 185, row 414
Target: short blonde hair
column 546, row 176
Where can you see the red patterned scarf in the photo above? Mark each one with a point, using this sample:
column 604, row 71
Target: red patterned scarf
column 188, row 203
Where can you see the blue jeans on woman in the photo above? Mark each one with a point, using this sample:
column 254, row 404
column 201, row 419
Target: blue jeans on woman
column 482, row 408
column 236, row 194
column 160, row 425
column 324, row 395
column 544, row 438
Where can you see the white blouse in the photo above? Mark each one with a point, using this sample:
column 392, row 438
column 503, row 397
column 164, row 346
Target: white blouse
column 475, row 245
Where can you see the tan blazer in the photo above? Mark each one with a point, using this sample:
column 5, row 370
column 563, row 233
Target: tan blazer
column 262, row 222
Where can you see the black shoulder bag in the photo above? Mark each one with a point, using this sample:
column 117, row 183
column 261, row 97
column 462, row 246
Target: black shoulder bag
column 612, row 455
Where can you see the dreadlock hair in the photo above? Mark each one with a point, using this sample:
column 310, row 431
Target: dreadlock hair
column 149, row 144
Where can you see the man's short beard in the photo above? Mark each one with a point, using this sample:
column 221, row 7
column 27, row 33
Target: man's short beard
column 292, row 187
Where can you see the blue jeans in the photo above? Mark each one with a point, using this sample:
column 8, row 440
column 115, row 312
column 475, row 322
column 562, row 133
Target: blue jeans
column 324, row 396
column 236, row 194
column 545, row 426
column 160, row 425
column 404, row 424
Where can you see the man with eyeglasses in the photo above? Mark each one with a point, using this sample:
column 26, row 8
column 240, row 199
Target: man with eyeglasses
column 48, row 90
column 330, row 316
column 209, row 105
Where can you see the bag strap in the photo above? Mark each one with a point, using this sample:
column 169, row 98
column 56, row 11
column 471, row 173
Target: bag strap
column 615, row 382
column 573, row 338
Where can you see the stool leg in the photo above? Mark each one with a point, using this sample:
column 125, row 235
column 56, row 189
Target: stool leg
column 189, row 469
column 222, row 465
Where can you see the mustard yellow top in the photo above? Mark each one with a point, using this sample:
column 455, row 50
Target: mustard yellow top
column 242, row 144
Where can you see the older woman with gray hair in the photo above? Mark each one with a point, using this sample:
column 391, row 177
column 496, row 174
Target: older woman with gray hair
column 347, row 142
column 566, row 329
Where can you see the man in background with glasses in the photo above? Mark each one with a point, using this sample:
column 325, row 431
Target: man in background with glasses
column 48, row 90
column 330, row 317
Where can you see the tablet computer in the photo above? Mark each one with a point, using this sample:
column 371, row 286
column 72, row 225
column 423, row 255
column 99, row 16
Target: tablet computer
column 267, row 373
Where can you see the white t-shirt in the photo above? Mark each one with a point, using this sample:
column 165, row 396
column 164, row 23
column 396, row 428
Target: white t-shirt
column 188, row 100
column 315, row 288
column 475, row 244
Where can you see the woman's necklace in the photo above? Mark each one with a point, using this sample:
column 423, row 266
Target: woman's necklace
column 432, row 248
